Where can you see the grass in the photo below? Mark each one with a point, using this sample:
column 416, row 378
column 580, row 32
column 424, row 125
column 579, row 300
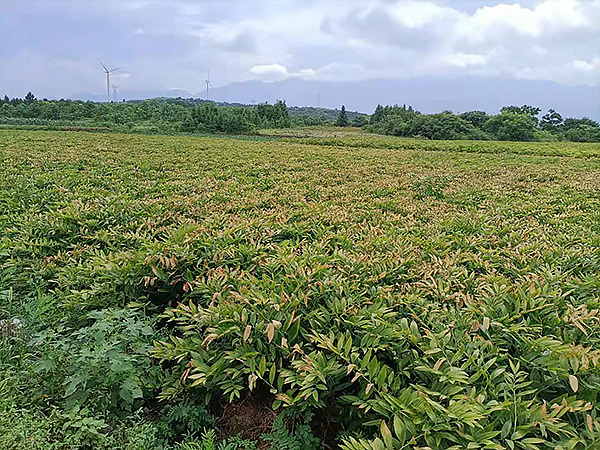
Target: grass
column 402, row 293
column 357, row 138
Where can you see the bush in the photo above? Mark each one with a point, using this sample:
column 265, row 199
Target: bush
column 583, row 133
column 545, row 136
column 292, row 433
column 444, row 126
column 105, row 365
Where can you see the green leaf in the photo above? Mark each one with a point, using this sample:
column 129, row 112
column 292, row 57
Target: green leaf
column 272, row 373
column 399, row 429
column 71, row 388
column 518, row 435
column 130, row 390
column 262, row 366
column 386, row 434
column 506, row 429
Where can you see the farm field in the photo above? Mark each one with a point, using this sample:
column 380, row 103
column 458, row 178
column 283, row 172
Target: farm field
column 360, row 291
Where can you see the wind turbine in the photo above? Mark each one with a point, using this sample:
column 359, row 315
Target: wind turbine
column 207, row 83
column 115, row 92
column 108, row 79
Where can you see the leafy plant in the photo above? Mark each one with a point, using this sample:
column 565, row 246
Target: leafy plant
column 104, row 365
column 155, row 275
column 293, row 435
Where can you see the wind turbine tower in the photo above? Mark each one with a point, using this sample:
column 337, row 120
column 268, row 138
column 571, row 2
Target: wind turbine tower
column 107, row 79
column 207, row 83
column 115, row 92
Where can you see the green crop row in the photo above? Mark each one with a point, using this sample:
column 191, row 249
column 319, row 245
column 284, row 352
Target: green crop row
column 196, row 292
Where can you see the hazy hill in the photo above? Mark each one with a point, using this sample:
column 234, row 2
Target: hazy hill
column 428, row 95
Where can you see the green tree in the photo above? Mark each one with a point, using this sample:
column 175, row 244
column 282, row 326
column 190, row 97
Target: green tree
column 571, row 122
column 510, row 126
column 377, row 116
column 551, row 121
column 532, row 111
column 359, row 121
column 7, row 110
column 444, row 126
column 342, row 119
column 29, row 98
column 583, row 133
column 476, row 118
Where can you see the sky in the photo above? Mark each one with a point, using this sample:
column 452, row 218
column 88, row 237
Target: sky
column 51, row 47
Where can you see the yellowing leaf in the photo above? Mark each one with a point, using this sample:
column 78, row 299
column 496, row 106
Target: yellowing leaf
column 486, row 324
column 252, row 381
column 211, row 337
column 270, row 332
column 574, row 382
column 247, row 332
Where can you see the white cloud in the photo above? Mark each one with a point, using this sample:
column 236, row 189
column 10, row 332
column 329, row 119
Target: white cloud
column 165, row 43
column 277, row 72
column 507, row 40
column 465, row 59
column 307, row 74
column 588, row 66
column 270, row 72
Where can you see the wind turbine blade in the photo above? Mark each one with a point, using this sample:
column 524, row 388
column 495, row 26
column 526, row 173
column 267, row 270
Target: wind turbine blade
column 116, row 68
column 102, row 65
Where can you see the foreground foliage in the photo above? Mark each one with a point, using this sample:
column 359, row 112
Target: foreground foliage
column 411, row 299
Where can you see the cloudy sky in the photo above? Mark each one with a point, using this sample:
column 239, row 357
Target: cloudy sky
column 50, row 47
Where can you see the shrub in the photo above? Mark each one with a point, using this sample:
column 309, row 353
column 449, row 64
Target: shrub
column 545, row 136
column 444, row 126
column 583, row 133
column 292, row 433
column 105, row 365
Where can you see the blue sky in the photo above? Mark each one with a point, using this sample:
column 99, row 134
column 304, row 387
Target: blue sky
column 50, row 47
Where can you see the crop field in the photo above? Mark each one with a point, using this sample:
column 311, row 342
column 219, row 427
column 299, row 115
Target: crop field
column 354, row 291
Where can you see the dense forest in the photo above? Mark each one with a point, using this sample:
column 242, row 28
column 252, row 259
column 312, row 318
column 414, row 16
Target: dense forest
column 166, row 115
column 154, row 115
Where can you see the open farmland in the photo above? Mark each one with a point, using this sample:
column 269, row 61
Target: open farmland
column 385, row 295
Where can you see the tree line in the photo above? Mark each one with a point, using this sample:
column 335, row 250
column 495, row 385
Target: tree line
column 168, row 115
column 158, row 115
column 513, row 123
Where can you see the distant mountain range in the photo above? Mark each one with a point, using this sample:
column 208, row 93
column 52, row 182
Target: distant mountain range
column 137, row 94
column 427, row 95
